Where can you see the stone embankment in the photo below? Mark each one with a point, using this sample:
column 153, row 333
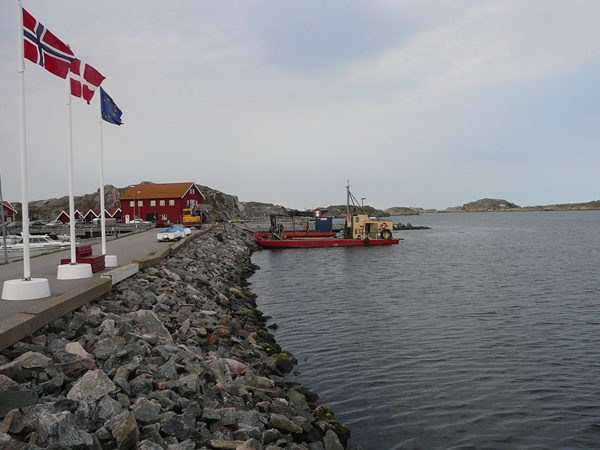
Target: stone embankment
column 177, row 357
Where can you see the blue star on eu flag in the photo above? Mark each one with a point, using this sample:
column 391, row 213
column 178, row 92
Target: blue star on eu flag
column 110, row 111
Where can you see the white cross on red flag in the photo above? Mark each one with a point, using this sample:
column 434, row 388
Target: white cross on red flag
column 84, row 80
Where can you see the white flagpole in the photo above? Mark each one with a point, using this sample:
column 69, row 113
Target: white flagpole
column 103, row 218
column 109, row 260
column 74, row 270
column 24, row 197
column 71, row 194
column 3, row 223
column 26, row 288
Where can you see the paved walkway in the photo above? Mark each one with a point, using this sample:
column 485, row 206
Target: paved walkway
column 127, row 248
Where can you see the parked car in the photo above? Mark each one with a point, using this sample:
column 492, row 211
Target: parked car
column 78, row 222
column 139, row 222
column 37, row 223
column 109, row 221
column 54, row 223
column 12, row 225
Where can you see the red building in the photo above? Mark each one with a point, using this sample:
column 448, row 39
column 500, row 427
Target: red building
column 113, row 213
column 9, row 212
column 161, row 203
column 65, row 218
column 89, row 215
column 109, row 213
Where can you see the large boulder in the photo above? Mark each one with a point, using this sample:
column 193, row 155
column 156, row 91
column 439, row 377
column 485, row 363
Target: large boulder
column 61, row 430
column 94, row 384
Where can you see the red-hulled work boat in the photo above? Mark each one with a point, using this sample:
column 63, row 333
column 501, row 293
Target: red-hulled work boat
column 323, row 242
column 360, row 230
column 297, row 234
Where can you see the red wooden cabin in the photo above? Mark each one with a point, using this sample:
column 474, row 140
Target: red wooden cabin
column 161, row 203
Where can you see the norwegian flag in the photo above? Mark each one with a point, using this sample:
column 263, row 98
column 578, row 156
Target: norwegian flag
column 84, row 80
column 45, row 49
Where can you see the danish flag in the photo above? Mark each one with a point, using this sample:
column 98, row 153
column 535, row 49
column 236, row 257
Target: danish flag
column 45, row 49
column 84, row 80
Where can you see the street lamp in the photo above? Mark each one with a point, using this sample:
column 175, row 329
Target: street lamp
column 363, row 201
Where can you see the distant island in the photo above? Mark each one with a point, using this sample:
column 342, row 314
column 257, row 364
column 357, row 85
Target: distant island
column 229, row 206
column 491, row 204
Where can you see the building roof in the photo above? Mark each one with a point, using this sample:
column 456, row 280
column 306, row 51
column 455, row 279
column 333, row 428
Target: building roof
column 95, row 212
column 112, row 211
column 157, row 191
column 8, row 206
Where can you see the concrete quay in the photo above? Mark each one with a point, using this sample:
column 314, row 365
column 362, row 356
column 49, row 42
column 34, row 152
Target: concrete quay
column 21, row 318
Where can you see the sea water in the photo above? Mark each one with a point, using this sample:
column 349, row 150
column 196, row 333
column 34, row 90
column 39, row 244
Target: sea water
column 483, row 332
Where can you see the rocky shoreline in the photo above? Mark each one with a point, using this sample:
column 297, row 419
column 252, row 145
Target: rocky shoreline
column 177, row 357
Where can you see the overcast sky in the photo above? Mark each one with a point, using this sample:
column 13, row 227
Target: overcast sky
column 416, row 102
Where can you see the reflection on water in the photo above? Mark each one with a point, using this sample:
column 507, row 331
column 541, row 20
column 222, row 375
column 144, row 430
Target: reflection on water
column 483, row 332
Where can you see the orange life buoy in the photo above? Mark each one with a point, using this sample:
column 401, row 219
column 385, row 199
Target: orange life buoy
column 384, row 225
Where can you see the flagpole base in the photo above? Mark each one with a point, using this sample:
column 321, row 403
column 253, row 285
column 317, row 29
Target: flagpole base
column 110, row 261
column 74, row 271
column 31, row 289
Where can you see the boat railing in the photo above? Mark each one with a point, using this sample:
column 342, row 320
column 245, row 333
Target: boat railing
column 266, row 219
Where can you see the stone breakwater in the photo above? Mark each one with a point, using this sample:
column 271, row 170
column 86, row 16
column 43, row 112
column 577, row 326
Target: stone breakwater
column 177, row 357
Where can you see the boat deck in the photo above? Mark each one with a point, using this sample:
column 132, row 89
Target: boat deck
column 323, row 242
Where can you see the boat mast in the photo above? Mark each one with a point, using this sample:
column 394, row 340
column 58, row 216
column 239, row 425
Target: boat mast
column 348, row 198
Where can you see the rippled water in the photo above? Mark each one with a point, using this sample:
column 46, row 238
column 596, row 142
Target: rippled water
column 483, row 332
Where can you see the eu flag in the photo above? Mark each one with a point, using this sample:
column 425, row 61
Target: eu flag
column 110, row 111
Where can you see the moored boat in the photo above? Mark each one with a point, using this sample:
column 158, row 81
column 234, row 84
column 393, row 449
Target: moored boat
column 323, row 242
column 296, row 234
column 38, row 242
column 359, row 230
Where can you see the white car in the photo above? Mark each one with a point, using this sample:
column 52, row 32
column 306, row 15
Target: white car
column 139, row 222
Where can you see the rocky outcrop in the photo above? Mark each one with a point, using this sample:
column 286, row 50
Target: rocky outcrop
column 401, row 211
column 176, row 357
column 489, row 204
column 227, row 207
column 258, row 209
column 340, row 211
column 593, row 205
column 50, row 209
column 409, row 226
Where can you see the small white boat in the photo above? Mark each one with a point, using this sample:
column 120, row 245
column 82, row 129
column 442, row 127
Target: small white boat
column 39, row 242
column 170, row 234
column 185, row 230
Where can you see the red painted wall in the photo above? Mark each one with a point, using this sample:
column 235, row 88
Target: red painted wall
column 174, row 214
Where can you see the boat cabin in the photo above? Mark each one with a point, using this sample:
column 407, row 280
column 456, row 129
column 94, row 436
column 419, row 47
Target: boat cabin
column 361, row 226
